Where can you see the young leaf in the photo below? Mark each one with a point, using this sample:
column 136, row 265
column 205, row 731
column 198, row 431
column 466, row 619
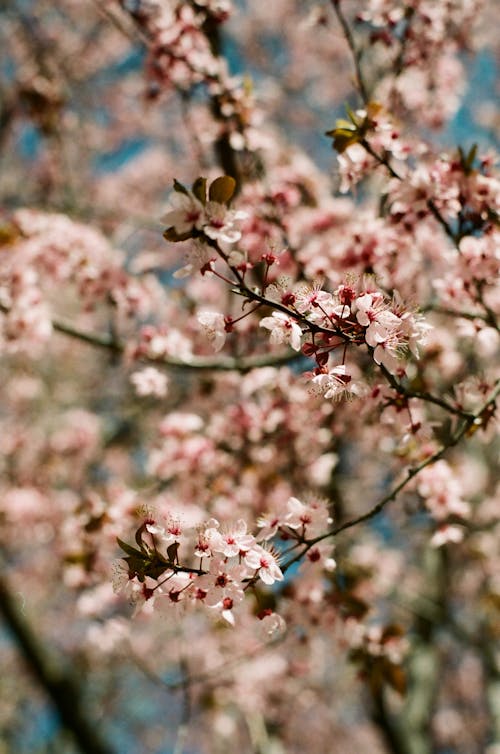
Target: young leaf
column 129, row 549
column 222, row 189
column 179, row 187
column 170, row 234
column 200, row 189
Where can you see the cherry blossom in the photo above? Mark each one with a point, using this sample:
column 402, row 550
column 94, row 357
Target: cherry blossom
column 150, row 381
column 187, row 213
column 214, row 327
column 283, row 329
column 265, row 562
column 277, row 404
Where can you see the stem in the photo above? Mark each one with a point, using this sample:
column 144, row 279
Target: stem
column 466, row 427
column 196, row 363
column 356, row 55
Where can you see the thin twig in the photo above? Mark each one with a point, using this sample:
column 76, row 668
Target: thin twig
column 356, row 55
column 412, row 472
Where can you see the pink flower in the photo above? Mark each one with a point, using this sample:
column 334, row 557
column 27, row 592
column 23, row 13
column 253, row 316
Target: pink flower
column 265, row 562
column 208, row 538
column 235, row 541
column 336, row 384
column 442, row 492
column 150, row 381
column 447, row 533
column 221, row 588
column 283, row 329
column 221, row 223
column 199, row 258
column 213, row 324
column 312, row 517
column 187, row 213
column 311, row 298
column 269, row 524
column 373, row 313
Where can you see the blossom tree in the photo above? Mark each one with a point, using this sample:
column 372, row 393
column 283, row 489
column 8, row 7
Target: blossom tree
column 249, row 446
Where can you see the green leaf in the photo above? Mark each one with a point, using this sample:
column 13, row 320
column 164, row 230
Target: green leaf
column 132, row 551
column 180, row 188
column 344, row 138
column 352, row 115
column 200, row 189
column 222, row 189
column 344, row 134
column 343, row 124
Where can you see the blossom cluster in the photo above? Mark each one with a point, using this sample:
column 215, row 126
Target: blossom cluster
column 320, row 322
column 306, row 317
column 182, row 40
column 47, row 250
column 409, row 35
column 224, row 563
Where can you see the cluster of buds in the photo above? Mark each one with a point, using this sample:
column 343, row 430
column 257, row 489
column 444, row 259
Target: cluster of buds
column 306, row 318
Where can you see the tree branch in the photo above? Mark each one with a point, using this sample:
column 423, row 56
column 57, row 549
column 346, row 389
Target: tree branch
column 61, row 687
column 470, row 423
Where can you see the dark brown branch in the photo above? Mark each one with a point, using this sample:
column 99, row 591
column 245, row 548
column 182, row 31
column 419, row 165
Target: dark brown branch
column 60, row 686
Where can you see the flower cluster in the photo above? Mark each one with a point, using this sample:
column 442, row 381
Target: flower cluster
column 230, row 562
column 220, row 563
column 179, row 49
column 347, row 316
column 305, row 519
column 420, row 43
column 206, row 219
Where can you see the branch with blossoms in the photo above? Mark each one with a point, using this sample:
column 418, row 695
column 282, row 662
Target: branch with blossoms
column 183, row 45
column 305, row 317
column 310, row 320
column 471, row 424
column 230, row 563
column 316, row 323
column 231, row 560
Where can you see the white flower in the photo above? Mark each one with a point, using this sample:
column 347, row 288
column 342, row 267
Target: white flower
column 198, row 259
column 221, row 588
column 234, row 541
column 214, row 325
column 312, row 516
column 386, row 354
column 446, row 533
column 373, row 314
column 283, row 329
column 337, row 384
column 221, row 222
column 187, row 213
column 265, row 563
column 150, row 381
